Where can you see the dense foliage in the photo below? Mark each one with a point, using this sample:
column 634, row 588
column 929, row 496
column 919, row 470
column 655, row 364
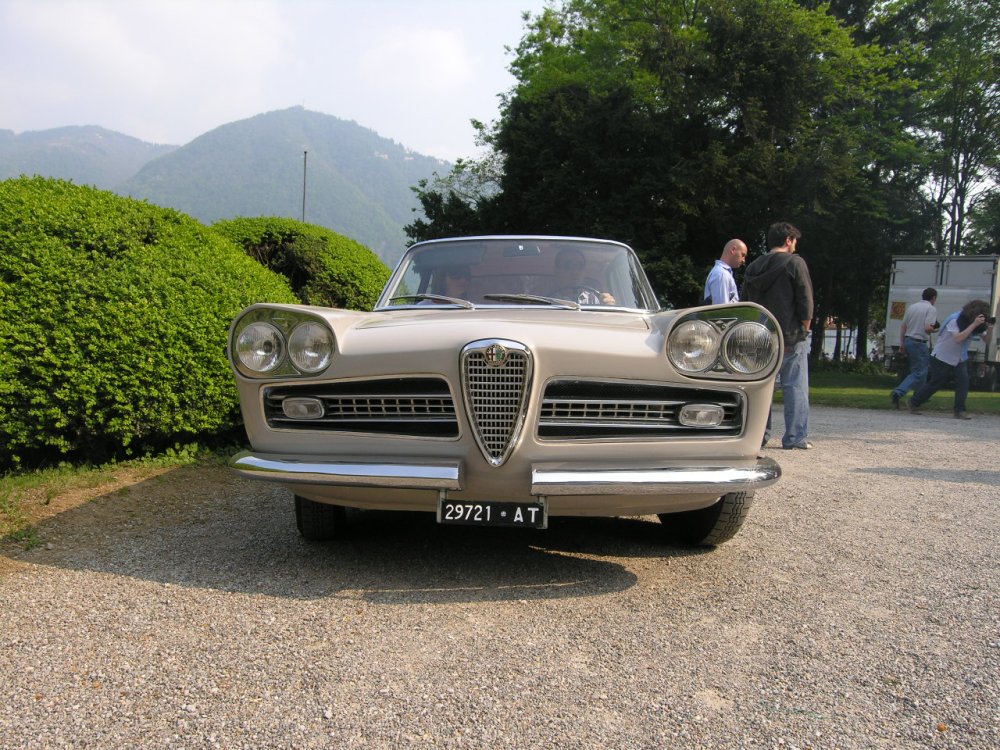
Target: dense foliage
column 675, row 126
column 956, row 57
column 323, row 268
column 113, row 322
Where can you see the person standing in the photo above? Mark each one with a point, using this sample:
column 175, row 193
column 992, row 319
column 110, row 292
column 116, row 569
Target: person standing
column 720, row 286
column 951, row 354
column 779, row 281
column 919, row 322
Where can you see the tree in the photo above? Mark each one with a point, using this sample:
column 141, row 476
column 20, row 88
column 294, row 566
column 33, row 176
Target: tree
column 984, row 234
column 675, row 125
column 962, row 116
column 113, row 321
column 323, row 268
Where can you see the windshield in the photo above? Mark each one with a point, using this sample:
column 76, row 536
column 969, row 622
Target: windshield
column 505, row 271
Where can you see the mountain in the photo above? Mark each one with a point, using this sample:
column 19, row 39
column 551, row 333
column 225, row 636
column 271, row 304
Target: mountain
column 87, row 155
column 356, row 182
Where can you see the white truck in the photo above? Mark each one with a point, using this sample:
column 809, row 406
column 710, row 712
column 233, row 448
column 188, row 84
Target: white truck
column 958, row 279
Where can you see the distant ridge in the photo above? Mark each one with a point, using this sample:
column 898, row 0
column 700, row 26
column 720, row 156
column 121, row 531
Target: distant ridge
column 87, row 155
column 357, row 183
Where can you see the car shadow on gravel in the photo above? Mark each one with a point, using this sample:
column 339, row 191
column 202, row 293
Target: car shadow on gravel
column 961, row 476
column 232, row 535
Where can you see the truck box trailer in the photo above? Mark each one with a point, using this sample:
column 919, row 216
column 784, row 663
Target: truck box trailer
column 958, row 279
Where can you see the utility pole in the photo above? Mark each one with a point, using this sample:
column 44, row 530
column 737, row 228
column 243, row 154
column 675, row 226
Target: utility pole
column 305, row 158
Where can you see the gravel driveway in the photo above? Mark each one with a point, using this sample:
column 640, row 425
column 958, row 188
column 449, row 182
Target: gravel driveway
column 858, row 608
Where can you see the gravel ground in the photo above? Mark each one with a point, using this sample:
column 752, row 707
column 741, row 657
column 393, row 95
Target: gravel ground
column 858, row 608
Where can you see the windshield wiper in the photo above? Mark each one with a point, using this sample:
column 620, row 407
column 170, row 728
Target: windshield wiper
column 464, row 303
column 534, row 298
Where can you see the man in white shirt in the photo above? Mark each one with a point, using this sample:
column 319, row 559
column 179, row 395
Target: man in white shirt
column 720, row 287
column 919, row 321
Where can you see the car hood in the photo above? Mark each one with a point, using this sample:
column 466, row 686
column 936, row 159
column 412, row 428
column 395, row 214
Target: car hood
column 545, row 316
column 408, row 332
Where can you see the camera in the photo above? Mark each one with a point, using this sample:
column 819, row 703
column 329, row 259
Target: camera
column 937, row 324
column 985, row 326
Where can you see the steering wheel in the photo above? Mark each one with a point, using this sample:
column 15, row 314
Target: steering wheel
column 573, row 292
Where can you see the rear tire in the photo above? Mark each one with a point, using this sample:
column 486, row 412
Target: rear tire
column 707, row 527
column 318, row 522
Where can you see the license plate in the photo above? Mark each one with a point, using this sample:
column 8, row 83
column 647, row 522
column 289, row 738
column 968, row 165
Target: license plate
column 472, row 513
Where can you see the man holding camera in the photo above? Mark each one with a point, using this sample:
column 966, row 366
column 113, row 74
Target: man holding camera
column 951, row 353
column 919, row 322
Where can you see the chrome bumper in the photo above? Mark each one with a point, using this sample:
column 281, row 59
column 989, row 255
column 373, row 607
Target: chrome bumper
column 546, row 479
column 555, row 480
column 427, row 475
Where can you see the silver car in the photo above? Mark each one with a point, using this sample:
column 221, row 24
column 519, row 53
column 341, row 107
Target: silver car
column 506, row 380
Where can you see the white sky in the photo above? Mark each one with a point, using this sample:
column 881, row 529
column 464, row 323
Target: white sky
column 166, row 71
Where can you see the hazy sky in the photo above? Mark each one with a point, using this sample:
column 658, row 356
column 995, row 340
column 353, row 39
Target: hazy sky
column 166, row 71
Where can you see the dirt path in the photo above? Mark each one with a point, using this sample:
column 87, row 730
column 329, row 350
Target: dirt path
column 857, row 609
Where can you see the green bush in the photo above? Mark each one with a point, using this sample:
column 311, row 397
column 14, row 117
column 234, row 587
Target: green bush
column 851, row 366
column 323, row 267
column 113, row 322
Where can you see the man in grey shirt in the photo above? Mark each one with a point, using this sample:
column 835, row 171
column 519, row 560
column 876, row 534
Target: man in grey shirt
column 919, row 321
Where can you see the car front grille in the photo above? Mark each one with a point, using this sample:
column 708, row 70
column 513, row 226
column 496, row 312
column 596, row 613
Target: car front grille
column 496, row 376
column 418, row 407
column 586, row 409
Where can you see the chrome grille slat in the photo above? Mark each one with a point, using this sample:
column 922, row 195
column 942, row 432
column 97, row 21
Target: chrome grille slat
column 571, row 409
column 421, row 407
column 364, row 420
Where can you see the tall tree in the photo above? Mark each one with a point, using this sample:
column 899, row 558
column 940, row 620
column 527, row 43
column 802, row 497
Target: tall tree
column 677, row 124
column 963, row 112
column 984, row 236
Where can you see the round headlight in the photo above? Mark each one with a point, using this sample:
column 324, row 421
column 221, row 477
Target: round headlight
column 749, row 348
column 693, row 346
column 310, row 347
column 260, row 347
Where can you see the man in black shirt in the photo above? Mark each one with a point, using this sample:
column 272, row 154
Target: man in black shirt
column 779, row 281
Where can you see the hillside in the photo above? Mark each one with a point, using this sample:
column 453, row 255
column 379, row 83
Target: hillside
column 87, row 155
column 357, row 183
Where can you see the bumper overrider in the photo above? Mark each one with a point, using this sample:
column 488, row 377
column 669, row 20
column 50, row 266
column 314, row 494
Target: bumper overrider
column 547, row 479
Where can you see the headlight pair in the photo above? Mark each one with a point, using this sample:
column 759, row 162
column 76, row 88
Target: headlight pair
column 724, row 342
column 272, row 345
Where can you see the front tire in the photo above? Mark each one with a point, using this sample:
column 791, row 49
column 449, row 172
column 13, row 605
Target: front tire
column 318, row 522
column 707, row 527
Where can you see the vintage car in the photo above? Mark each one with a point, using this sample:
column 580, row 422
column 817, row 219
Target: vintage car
column 506, row 380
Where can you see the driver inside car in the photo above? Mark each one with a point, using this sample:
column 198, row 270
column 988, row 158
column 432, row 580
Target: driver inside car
column 456, row 282
column 569, row 281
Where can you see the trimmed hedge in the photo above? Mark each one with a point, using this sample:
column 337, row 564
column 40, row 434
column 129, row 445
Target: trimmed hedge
column 114, row 316
column 323, row 267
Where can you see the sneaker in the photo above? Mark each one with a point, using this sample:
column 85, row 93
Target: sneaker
column 895, row 400
column 806, row 446
column 913, row 409
column 962, row 415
